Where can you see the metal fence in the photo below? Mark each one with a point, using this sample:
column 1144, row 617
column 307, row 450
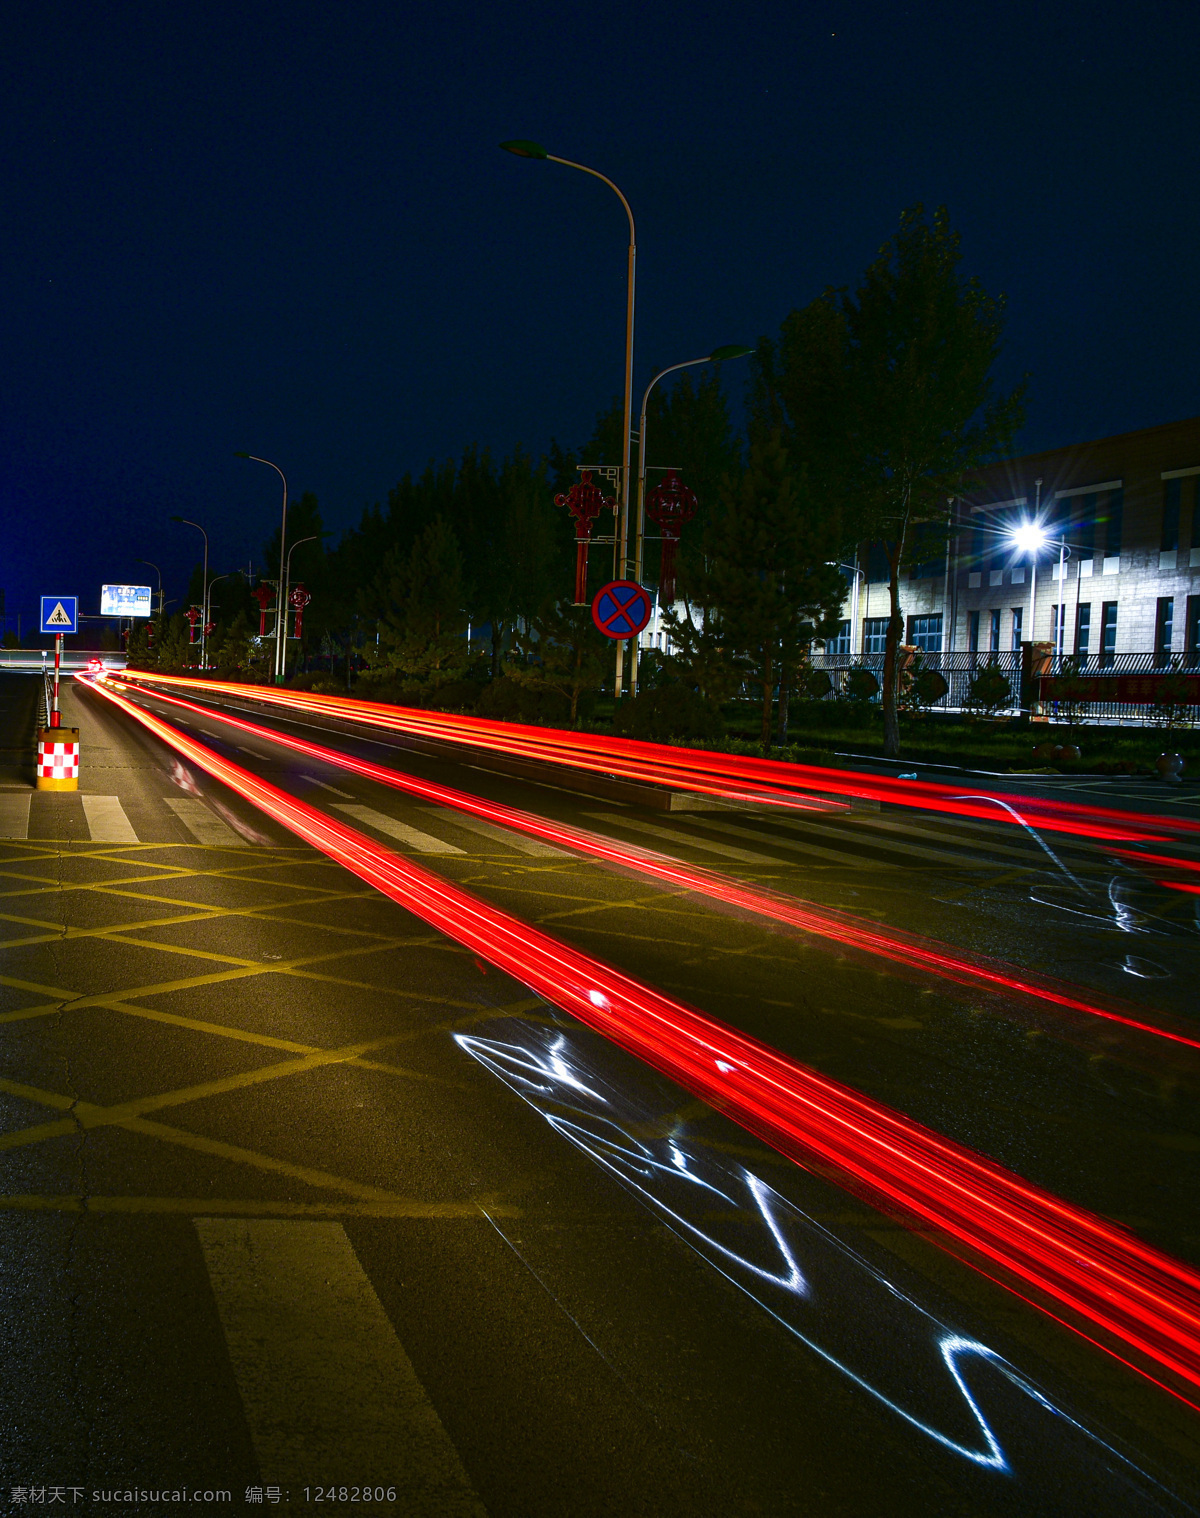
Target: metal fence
column 960, row 669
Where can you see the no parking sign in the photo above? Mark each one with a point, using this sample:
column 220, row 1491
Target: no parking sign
column 621, row 609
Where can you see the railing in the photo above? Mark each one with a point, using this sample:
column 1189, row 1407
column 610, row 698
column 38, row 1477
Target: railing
column 960, row 668
column 72, row 658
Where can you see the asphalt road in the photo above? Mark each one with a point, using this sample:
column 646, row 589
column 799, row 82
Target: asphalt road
column 300, row 1196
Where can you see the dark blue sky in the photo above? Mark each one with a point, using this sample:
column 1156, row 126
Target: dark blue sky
column 287, row 228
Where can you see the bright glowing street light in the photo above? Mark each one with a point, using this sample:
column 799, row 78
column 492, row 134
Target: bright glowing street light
column 1028, row 537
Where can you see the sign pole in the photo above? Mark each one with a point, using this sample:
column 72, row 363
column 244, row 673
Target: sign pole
column 55, row 719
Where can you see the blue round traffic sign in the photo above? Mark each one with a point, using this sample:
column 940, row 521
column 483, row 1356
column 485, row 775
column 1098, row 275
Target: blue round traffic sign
column 621, row 609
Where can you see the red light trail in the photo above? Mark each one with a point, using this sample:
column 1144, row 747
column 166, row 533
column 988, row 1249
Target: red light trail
column 1145, row 1300
column 708, row 773
column 840, row 927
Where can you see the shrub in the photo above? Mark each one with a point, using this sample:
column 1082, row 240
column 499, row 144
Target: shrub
column 990, row 690
column 861, row 684
column 669, row 711
column 511, row 700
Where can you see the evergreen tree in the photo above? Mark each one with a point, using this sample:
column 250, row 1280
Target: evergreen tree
column 769, row 580
column 566, row 652
column 887, row 397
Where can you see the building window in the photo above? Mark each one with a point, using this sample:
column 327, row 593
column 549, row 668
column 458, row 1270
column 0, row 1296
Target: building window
column 1193, row 630
column 1172, row 496
column 1058, row 626
column 1194, row 492
column 841, row 643
column 994, row 632
column 1108, row 633
column 1083, row 629
column 925, row 633
column 1164, row 619
column 1018, row 616
column 874, row 634
column 973, row 632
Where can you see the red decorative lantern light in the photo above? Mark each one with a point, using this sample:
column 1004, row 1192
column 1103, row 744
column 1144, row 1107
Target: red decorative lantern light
column 299, row 599
column 584, row 501
column 670, row 504
column 193, row 614
column 264, row 595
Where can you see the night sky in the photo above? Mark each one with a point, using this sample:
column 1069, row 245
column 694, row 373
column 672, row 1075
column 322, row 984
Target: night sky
column 288, row 229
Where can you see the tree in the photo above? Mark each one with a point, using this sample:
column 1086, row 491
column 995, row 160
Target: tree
column 769, row 579
column 567, row 654
column 886, row 395
column 422, row 631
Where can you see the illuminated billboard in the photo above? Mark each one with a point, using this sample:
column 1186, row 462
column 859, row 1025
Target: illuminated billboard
column 125, row 601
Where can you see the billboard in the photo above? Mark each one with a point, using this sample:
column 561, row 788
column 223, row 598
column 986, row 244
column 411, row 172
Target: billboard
column 125, row 601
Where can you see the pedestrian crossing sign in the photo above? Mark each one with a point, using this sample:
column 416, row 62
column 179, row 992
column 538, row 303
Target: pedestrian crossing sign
column 60, row 614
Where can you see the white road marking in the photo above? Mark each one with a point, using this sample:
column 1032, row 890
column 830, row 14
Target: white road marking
column 747, row 856
column 14, row 814
column 203, row 825
column 106, row 820
column 521, row 842
column 886, row 845
column 424, row 843
column 326, row 787
column 330, row 1395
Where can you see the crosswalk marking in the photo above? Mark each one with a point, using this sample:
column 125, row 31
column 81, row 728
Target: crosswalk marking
column 860, row 837
column 204, row 826
column 877, row 831
column 106, row 820
column 327, row 787
column 424, row 843
column 14, row 813
column 747, row 856
column 331, row 1397
column 521, row 842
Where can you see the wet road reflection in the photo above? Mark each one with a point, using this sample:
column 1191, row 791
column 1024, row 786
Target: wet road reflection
column 1014, row 1441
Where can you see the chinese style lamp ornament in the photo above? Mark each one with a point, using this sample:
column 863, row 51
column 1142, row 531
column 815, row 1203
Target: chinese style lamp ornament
column 264, row 595
column 670, row 504
column 299, row 599
column 584, row 501
column 193, row 615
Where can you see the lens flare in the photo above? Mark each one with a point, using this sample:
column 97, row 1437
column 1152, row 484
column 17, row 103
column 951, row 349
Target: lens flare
column 1100, row 1276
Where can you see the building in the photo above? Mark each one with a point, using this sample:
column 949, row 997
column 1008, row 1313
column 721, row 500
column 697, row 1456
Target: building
column 1115, row 585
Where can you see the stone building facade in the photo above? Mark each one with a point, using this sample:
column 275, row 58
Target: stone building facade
column 1122, row 522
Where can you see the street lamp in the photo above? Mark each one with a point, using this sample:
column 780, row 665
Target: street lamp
column 522, row 148
column 287, row 578
column 718, row 355
column 208, row 598
column 160, row 589
column 279, row 645
column 204, row 595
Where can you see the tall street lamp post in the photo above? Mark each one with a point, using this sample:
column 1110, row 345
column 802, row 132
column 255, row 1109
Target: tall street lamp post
column 287, row 582
column 208, row 598
column 524, row 149
column 279, row 615
column 718, row 355
column 160, row 589
column 204, row 589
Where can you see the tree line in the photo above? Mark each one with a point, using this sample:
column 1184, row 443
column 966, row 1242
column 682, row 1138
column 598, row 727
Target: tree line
column 870, row 409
